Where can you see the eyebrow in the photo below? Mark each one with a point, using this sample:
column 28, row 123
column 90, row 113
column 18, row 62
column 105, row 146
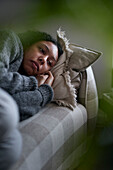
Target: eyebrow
column 46, row 47
column 48, row 50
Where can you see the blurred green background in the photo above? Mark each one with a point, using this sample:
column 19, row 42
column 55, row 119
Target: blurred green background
column 30, row 13
column 87, row 23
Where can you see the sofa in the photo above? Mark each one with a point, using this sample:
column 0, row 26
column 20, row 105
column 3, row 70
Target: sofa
column 56, row 137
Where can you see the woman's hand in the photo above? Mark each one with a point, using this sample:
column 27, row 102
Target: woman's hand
column 45, row 79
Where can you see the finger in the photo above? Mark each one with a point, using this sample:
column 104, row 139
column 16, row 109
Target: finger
column 49, row 74
column 45, row 77
column 50, row 80
column 41, row 79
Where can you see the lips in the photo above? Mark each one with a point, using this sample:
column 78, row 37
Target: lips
column 35, row 65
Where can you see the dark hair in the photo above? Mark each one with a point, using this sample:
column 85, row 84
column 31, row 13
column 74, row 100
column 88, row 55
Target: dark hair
column 30, row 37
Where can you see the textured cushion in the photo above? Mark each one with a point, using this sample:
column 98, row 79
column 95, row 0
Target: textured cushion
column 68, row 71
column 81, row 57
column 53, row 138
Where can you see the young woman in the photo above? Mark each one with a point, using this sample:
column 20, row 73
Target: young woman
column 25, row 63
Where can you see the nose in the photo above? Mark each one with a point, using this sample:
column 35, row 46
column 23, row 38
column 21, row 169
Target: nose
column 42, row 59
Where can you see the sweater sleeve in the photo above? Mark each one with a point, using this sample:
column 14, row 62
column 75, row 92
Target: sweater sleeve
column 30, row 102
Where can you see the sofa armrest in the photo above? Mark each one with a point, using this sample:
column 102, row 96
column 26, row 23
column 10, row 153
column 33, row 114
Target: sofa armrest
column 87, row 95
column 92, row 96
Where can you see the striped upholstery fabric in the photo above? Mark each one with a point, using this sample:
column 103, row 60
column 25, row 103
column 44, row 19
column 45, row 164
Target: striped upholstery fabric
column 52, row 138
column 55, row 138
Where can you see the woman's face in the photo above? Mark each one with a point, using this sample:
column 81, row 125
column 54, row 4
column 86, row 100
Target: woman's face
column 39, row 58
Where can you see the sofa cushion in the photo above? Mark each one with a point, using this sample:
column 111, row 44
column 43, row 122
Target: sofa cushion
column 51, row 137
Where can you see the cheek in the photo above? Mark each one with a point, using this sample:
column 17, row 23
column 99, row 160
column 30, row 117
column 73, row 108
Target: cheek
column 26, row 65
column 44, row 69
column 28, row 53
column 29, row 71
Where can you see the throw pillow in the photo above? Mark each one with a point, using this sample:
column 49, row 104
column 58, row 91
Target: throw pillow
column 67, row 71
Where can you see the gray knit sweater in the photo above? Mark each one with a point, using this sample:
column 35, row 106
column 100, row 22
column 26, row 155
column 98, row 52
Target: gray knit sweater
column 29, row 97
